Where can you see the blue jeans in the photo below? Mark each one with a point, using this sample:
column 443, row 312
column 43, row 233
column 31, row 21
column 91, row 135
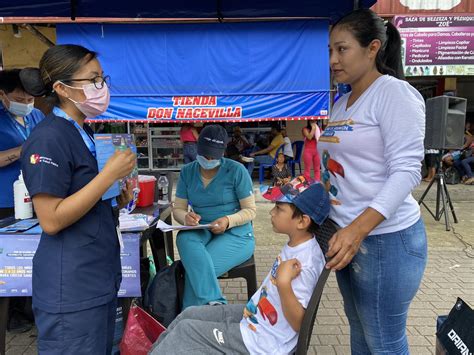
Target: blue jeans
column 189, row 152
column 467, row 168
column 378, row 287
column 261, row 159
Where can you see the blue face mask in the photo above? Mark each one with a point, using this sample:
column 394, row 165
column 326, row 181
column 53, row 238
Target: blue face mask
column 207, row 164
column 20, row 109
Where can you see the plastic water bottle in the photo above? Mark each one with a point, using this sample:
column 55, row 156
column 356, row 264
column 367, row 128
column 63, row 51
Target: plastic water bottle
column 163, row 190
column 23, row 205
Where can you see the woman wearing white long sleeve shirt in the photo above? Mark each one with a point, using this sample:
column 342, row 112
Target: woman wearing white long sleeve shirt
column 371, row 153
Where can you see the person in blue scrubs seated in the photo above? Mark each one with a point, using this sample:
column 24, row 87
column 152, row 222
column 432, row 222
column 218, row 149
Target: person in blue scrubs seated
column 76, row 268
column 18, row 117
column 219, row 192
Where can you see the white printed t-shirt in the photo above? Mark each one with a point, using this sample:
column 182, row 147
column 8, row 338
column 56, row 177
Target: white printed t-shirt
column 371, row 154
column 264, row 327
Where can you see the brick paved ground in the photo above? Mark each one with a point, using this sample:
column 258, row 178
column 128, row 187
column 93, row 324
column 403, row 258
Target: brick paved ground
column 449, row 274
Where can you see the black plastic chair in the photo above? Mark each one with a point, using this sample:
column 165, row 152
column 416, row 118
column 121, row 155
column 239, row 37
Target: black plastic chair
column 325, row 233
column 246, row 270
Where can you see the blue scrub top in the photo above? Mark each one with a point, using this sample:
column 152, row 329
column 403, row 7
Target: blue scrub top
column 11, row 138
column 78, row 268
column 221, row 197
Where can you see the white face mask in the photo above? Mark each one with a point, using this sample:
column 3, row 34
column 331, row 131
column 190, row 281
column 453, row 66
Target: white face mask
column 19, row 109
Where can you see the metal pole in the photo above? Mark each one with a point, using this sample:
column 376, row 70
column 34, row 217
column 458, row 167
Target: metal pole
column 38, row 34
column 356, row 4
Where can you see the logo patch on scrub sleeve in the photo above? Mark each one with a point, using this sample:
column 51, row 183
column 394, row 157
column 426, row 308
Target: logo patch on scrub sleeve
column 38, row 159
column 34, row 159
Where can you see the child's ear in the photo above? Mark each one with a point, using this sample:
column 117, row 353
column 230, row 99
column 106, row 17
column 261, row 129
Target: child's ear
column 305, row 222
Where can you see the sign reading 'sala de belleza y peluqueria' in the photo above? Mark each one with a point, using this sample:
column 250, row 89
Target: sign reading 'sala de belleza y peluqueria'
column 437, row 45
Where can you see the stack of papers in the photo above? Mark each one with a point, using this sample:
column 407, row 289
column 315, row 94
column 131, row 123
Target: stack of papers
column 165, row 227
column 134, row 222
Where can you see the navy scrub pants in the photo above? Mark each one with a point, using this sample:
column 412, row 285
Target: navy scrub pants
column 90, row 331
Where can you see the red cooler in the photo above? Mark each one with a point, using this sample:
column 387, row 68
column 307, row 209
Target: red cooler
column 147, row 190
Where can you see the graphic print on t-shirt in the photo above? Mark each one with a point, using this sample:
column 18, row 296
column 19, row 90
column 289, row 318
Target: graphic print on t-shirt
column 265, row 307
column 330, row 165
column 333, row 167
column 329, row 134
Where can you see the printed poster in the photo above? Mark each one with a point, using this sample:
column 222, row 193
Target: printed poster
column 16, row 255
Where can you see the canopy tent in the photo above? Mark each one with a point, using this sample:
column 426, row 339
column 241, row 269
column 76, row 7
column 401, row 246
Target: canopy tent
column 180, row 9
column 219, row 72
column 223, row 72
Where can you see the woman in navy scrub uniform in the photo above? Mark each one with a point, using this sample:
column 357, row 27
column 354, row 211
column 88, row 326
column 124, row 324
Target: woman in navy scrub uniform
column 76, row 269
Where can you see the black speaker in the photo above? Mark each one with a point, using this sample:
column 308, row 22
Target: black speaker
column 445, row 121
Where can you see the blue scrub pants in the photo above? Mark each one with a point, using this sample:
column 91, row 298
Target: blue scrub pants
column 206, row 256
column 90, row 331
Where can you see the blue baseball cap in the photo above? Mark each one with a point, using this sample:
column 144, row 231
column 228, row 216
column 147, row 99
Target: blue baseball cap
column 309, row 196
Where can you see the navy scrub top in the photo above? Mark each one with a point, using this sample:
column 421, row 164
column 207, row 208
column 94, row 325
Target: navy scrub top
column 10, row 137
column 78, row 268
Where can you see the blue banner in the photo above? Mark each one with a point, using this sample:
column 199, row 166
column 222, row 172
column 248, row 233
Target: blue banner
column 218, row 108
column 16, row 255
column 211, row 72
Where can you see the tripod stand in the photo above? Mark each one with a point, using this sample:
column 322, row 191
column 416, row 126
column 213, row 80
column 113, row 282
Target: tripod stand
column 443, row 200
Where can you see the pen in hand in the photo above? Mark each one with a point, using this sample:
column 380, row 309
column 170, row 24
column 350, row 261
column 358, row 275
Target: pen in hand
column 192, row 219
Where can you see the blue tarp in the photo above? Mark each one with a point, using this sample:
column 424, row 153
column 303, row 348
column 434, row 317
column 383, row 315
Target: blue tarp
column 209, row 9
column 230, row 71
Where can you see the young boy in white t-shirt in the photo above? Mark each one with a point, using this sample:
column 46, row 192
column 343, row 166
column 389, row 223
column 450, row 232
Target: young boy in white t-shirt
column 272, row 317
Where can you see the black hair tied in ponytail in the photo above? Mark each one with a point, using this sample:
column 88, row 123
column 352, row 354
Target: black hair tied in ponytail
column 390, row 59
column 366, row 26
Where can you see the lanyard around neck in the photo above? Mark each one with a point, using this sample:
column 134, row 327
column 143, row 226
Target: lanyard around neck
column 21, row 130
column 88, row 140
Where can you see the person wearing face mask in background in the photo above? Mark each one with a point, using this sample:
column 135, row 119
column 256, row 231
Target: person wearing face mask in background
column 220, row 192
column 18, row 117
column 76, row 268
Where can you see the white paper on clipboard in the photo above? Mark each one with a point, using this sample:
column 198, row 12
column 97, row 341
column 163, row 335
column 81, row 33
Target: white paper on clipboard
column 165, row 227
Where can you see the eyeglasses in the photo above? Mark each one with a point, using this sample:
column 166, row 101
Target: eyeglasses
column 98, row 81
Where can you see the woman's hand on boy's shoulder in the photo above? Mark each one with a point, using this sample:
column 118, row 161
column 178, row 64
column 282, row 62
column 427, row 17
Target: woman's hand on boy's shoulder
column 287, row 271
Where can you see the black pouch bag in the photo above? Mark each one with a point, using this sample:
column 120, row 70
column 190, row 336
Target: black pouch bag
column 457, row 332
column 164, row 297
column 452, row 176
